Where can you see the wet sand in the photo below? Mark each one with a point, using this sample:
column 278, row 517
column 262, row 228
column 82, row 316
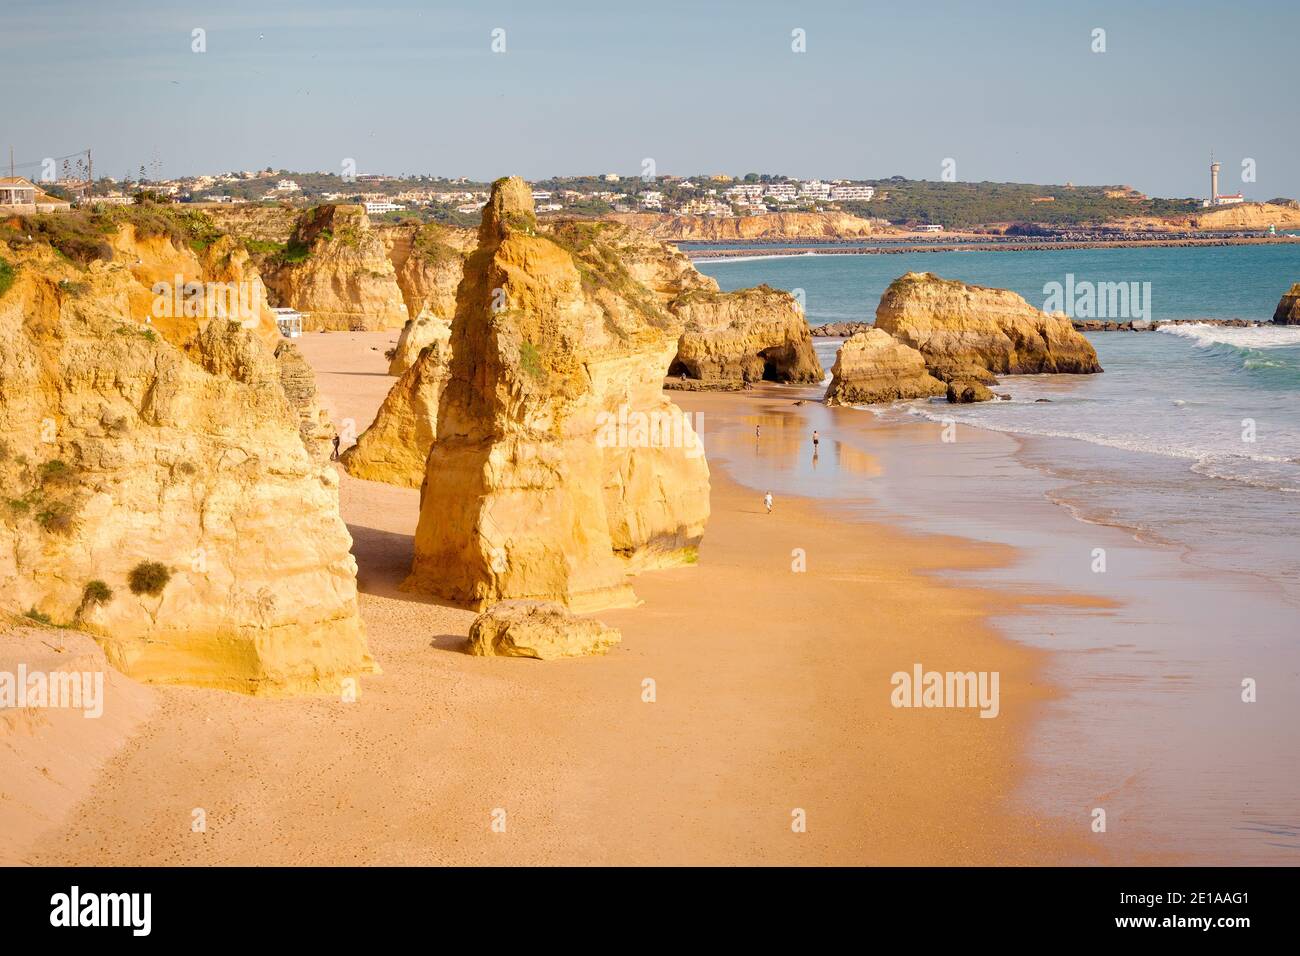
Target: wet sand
column 772, row 696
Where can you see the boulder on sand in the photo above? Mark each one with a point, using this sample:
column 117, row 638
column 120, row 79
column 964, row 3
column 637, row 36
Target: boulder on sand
column 542, row 630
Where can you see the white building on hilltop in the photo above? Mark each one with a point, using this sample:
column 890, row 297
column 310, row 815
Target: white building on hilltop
column 1216, row 199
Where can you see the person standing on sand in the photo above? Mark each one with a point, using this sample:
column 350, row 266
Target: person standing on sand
column 815, row 441
column 767, row 501
column 757, row 430
column 335, row 455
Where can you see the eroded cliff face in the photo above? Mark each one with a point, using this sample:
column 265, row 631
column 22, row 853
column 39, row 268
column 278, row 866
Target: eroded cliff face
column 558, row 464
column 1288, row 307
column 1246, row 215
column 177, row 290
column 337, row 272
column 395, row 448
column 429, row 261
column 161, row 497
column 749, row 335
column 660, row 267
column 872, row 366
column 779, row 225
column 417, row 336
column 970, row 332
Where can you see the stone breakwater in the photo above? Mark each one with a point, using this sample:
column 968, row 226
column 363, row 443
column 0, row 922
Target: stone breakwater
column 992, row 246
column 846, row 329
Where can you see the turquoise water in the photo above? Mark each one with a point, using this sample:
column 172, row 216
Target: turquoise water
column 1216, row 282
column 1192, row 434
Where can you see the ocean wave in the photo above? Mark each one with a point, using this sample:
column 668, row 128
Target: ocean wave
column 1255, row 337
column 1263, row 471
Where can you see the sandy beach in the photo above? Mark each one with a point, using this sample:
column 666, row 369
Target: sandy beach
column 772, row 696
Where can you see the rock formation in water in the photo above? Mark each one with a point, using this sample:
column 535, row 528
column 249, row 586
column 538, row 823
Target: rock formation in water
column 970, row 332
column 872, row 366
column 1288, row 307
column 558, row 465
column 542, row 630
column 746, row 336
column 158, row 493
column 777, row 225
column 336, row 270
column 964, row 392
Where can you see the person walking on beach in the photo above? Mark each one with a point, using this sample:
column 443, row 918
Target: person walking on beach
column 767, row 502
column 335, row 455
column 757, row 430
column 815, row 441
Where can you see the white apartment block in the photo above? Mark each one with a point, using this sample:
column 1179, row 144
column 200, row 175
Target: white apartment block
column 782, row 191
column 375, row 208
column 815, row 189
column 744, row 192
column 852, row 193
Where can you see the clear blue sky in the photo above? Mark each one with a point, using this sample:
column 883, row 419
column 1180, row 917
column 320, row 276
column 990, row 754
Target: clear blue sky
column 1010, row 90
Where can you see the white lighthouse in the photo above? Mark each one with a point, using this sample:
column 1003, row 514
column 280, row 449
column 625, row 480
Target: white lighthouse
column 1215, row 198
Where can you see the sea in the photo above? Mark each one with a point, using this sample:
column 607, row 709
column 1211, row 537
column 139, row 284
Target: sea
column 1183, row 459
column 1191, row 434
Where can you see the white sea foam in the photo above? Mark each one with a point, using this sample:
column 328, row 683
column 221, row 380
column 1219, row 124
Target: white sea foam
column 1255, row 337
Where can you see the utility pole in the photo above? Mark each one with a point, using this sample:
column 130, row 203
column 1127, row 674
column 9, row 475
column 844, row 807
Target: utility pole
column 11, row 162
column 90, row 174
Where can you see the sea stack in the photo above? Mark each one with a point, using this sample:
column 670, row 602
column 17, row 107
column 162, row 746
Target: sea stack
column 1288, row 307
column 971, row 332
column 873, row 366
column 751, row 335
column 558, row 466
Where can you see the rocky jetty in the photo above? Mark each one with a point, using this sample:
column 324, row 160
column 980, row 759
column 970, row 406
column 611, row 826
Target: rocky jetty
column 542, row 630
column 971, row 332
column 872, row 366
column 750, row 335
column 336, row 271
column 158, row 490
column 1288, row 307
column 558, row 465
column 840, row 329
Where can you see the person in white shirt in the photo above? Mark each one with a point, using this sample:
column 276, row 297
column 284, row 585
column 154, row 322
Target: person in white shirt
column 767, row 500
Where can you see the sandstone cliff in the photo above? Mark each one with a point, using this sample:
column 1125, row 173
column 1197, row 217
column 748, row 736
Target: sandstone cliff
column 418, row 335
column 745, row 336
column 395, row 448
column 777, row 225
column 336, row 270
column 970, row 332
column 550, row 477
column 161, row 497
column 428, row 261
column 872, row 366
column 177, row 289
column 1240, row 216
column 660, row 267
column 1288, row 307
